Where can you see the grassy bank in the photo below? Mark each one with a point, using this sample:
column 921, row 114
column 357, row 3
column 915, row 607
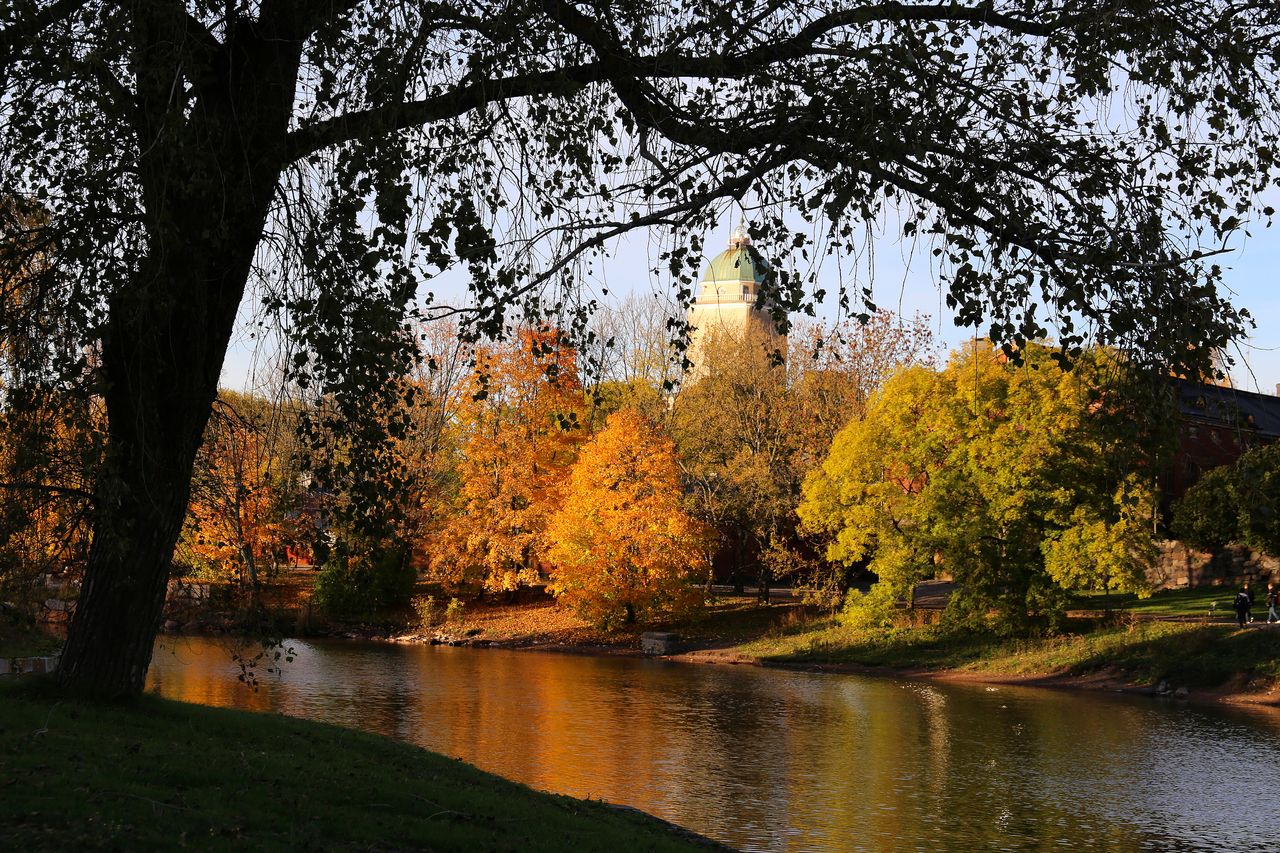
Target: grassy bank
column 1143, row 649
column 1212, row 602
column 161, row 775
column 1201, row 656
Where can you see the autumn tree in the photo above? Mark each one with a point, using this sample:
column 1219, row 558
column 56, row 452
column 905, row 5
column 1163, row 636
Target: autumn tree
column 1017, row 481
column 51, row 433
column 50, row 446
column 245, row 492
column 327, row 160
column 521, row 419
column 623, row 549
column 735, row 431
column 750, row 429
column 630, row 360
column 431, row 448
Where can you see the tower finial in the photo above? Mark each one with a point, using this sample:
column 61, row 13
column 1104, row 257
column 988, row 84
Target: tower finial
column 739, row 238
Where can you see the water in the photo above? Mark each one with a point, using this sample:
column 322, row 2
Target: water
column 772, row 760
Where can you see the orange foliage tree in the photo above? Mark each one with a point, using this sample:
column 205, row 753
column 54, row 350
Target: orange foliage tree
column 50, row 445
column 521, row 424
column 238, row 523
column 624, row 550
column 51, row 431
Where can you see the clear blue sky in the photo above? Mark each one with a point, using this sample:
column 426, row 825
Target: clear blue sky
column 907, row 285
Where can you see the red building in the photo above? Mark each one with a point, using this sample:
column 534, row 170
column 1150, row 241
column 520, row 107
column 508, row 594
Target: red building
column 1217, row 426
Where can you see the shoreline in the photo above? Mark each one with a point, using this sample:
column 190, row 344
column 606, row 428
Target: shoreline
column 1102, row 681
column 1169, row 662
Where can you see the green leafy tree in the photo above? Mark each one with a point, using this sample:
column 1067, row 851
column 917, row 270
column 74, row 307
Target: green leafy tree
column 750, row 429
column 1258, row 496
column 364, row 576
column 1208, row 514
column 865, row 499
column 1235, row 503
column 322, row 162
column 1019, row 481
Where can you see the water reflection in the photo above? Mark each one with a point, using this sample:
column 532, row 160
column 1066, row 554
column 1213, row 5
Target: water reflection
column 771, row 760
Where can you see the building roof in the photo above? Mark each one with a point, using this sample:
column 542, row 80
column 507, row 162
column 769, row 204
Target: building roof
column 1229, row 407
column 733, row 265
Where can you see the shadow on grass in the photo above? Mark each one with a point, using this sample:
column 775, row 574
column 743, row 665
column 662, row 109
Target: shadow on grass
column 1205, row 656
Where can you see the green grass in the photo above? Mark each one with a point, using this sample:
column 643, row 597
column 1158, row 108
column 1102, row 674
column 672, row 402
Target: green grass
column 1144, row 652
column 1169, row 603
column 158, row 775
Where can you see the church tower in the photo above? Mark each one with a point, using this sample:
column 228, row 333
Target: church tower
column 726, row 304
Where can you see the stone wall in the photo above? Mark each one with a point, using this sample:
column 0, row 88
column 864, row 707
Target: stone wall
column 59, row 595
column 29, row 665
column 1180, row 566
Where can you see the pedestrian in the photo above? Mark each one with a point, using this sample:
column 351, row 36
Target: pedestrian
column 1248, row 610
column 1273, row 598
column 1241, row 606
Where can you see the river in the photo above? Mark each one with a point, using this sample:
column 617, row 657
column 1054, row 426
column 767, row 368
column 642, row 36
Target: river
column 767, row 759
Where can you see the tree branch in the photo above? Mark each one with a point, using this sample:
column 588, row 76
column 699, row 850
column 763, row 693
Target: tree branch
column 15, row 38
column 589, row 31
column 451, row 104
column 65, row 491
column 616, row 65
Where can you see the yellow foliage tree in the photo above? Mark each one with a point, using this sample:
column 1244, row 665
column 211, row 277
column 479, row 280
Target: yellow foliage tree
column 623, row 548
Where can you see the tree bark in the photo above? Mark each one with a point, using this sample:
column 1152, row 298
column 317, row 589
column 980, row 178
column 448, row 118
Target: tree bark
column 208, row 173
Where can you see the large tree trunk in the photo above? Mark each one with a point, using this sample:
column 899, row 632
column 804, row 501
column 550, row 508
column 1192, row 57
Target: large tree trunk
column 209, row 171
column 161, row 359
column 112, row 633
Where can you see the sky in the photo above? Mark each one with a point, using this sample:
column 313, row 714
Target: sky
column 905, row 284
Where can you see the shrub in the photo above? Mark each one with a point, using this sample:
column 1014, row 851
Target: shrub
column 361, row 580
column 453, row 612
column 428, row 611
column 874, row 609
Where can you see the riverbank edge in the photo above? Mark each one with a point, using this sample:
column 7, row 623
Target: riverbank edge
column 64, row 744
column 1105, row 680
column 1108, row 680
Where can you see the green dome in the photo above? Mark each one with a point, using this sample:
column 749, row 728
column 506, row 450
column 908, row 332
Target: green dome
column 732, row 266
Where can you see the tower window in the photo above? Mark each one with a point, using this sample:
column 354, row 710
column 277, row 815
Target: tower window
column 746, row 291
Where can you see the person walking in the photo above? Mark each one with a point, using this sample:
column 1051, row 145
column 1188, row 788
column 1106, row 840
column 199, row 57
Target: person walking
column 1273, row 598
column 1241, row 606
